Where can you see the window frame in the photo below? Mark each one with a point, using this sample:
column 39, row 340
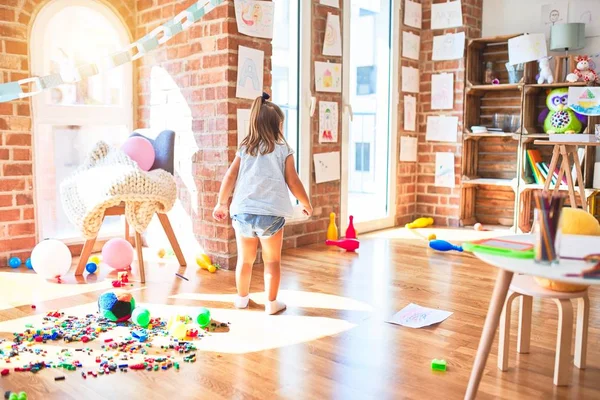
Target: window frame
column 45, row 113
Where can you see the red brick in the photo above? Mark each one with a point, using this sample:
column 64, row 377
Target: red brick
column 11, row 214
column 14, row 47
column 6, row 108
column 21, row 154
column 17, row 169
column 18, row 244
column 4, row 154
column 18, row 139
column 24, row 199
column 8, row 185
column 6, row 200
column 28, row 214
column 22, row 229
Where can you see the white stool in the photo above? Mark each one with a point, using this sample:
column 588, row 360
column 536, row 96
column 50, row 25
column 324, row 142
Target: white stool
column 525, row 287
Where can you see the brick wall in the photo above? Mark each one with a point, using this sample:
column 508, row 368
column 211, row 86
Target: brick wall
column 440, row 203
column 17, row 216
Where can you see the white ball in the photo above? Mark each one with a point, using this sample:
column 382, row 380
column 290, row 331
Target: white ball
column 51, row 258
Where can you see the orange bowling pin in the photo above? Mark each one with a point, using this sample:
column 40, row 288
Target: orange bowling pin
column 332, row 230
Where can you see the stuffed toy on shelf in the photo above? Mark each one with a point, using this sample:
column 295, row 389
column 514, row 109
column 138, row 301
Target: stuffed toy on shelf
column 583, row 72
column 558, row 117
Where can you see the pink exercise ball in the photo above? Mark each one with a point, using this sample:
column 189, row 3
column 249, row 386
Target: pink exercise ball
column 117, row 253
column 141, row 151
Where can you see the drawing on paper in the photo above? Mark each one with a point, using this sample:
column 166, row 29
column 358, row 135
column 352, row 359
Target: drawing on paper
column 415, row 316
column 442, row 91
column 410, row 45
column 408, row 149
column 446, row 15
column 332, row 45
column 410, row 80
column 410, row 113
column 327, row 167
column 442, row 128
column 413, row 14
column 328, row 77
column 525, row 48
column 444, row 170
column 255, row 18
column 584, row 100
column 328, row 122
column 588, row 12
column 448, row 47
column 250, row 73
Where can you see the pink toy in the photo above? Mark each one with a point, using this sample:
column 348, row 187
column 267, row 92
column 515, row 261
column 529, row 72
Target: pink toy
column 350, row 231
column 141, row 151
column 346, row 244
column 117, row 253
column 583, row 71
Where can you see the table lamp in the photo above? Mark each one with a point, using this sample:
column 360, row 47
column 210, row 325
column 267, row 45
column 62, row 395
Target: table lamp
column 566, row 37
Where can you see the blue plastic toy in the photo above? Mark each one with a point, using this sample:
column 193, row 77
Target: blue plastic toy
column 140, row 334
column 14, row 262
column 442, row 245
column 91, row 267
column 28, row 264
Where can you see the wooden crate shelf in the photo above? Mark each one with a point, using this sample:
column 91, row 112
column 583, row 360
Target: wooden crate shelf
column 481, row 105
column 476, row 136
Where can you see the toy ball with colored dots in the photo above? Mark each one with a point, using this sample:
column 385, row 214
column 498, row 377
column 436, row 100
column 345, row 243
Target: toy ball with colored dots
column 28, row 264
column 14, row 262
column 91, row 267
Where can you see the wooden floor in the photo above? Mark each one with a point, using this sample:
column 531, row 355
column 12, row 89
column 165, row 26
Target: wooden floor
column 331, row 342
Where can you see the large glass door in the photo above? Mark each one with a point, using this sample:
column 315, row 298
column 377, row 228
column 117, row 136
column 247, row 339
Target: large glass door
column 370, row 93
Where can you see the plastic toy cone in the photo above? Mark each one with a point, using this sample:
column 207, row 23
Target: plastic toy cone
column 332, row 230
column 350, row 231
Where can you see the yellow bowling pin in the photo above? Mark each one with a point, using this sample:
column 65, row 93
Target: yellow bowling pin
column 332, row 230
column 423, row 222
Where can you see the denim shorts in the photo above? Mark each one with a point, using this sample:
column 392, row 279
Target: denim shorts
column 263, row 226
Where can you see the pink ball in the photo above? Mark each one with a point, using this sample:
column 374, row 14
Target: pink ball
column 117, row 253
column 141, row 151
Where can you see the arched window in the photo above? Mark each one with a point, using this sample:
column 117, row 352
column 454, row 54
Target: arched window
column 71, row 118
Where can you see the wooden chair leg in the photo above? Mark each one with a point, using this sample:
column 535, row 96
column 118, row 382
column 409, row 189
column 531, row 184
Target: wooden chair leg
column 166, row 224
column 563, row 342
column 138, row 247
column 85, row 255
column 524, row 336
column 127, row 237
column 504, row 334
column 489, row 331
column 583, row 316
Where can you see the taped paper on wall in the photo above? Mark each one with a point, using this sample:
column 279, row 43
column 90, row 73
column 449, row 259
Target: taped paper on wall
column 448, row 47
column 332, row 44
column 446, row 15
column 328, row 121
column 444, row 170
column 410, row 113
column 410, row 45
column 255, row 18
column 327, row 167
column 442, row 129
column 442, row 91
column 410, row 80
column 413, row 14
column 328, row 77
column 408, row 149
column 250, row 73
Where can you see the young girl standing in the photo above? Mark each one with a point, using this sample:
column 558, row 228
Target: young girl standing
column 262, row 172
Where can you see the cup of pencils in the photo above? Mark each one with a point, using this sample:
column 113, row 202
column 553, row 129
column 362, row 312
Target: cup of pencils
column 547, row 218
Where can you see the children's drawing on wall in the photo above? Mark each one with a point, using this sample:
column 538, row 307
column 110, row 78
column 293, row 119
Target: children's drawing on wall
column 328, row 77
column 255, row 18
column 332, row 45
column 416, row 316
column 328, row 122
column 243, row 123
column 327, row 167
column 442, row 91
column 410, row 45
column 525, row 48
column 410, row 80
column 584, row 100
column 442, row 128
column 444, row 170
column 446, row 15
column 552, row 14
column 250, row 73
column 408, row 149
column 588, row 12
column 410, row 113
column 413, row 14
column 450, row 46
column 331, row 3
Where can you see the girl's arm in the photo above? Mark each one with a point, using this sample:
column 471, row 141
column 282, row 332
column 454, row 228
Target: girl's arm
column 295, row 185
column 221, row 209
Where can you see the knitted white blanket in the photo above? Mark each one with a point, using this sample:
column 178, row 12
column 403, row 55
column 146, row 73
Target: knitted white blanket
column 109, row 177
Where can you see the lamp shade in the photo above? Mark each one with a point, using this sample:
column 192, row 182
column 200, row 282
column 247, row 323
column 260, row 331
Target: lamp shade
column 567, row 37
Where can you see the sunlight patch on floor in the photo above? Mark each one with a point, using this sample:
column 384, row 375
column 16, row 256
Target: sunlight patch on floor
column 292, row 298
column 21, row 289
column 249, row 331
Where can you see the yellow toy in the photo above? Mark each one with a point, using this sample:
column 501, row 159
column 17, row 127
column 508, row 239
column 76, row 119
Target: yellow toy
column 161, row 253
column 94, row 259
column 203, row 261
column 332, row 230
column 423, row 222
column 574, row 221
column 431, row 237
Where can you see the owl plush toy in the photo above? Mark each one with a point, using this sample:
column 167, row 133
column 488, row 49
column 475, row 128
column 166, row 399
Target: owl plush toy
column 559, row 118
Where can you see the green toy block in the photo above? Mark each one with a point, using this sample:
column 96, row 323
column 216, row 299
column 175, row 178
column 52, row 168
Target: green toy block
column 438, row 365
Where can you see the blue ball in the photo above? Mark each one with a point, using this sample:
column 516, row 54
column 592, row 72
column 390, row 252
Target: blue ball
column 28, row 264
column 91, row 267
column 14, row 262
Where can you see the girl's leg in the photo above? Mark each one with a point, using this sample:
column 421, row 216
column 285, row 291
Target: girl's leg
column 243, row 272
column 271, row 253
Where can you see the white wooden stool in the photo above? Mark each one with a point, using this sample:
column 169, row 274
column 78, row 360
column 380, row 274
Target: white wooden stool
column 525, row 287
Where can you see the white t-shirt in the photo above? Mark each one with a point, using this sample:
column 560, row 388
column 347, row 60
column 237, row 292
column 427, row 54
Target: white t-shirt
column 261, row 188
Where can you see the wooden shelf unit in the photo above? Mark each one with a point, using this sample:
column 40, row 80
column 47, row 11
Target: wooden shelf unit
column 495, row 189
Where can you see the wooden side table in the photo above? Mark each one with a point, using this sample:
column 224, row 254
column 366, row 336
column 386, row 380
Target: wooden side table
column 568, row 151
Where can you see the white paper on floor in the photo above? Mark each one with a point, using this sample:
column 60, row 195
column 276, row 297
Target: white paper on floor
column 415, row 316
